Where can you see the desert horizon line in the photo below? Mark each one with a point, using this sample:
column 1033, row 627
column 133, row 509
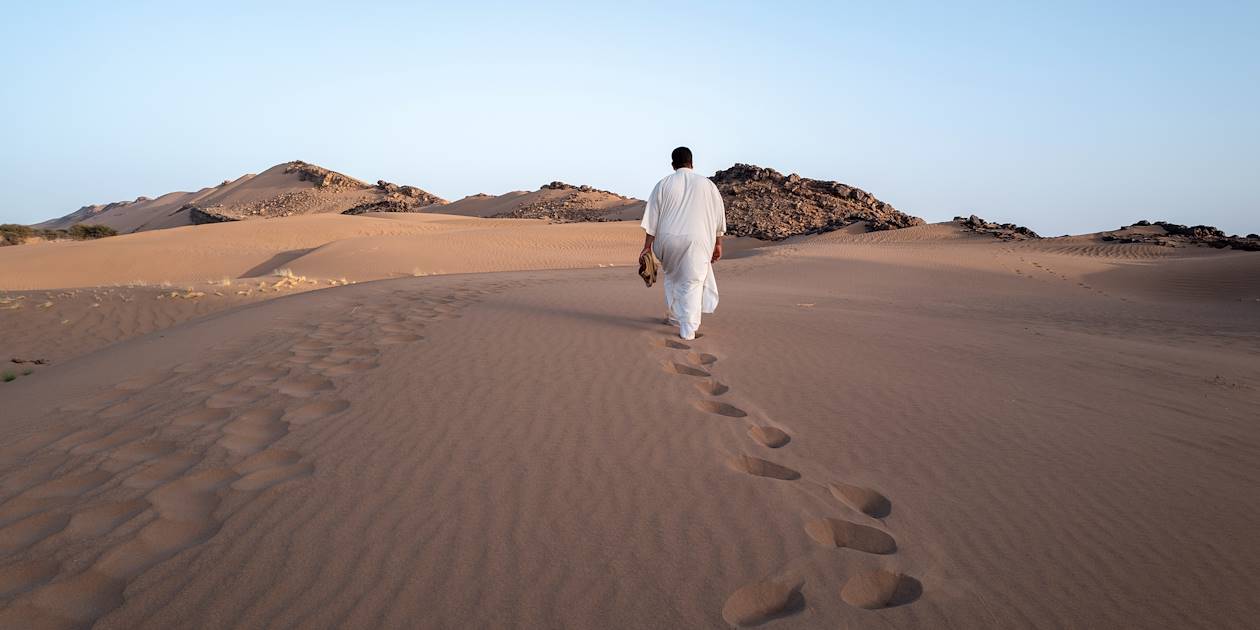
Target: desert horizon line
column 1150, row 218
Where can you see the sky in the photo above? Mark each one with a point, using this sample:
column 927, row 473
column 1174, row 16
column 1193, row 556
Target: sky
column 1067, row 117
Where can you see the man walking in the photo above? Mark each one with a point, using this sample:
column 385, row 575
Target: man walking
column 685, row 221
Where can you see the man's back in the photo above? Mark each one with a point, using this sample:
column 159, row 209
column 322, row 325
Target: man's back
column 685, row 203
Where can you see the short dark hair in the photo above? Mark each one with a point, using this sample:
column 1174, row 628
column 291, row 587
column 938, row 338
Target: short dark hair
column 681, row 157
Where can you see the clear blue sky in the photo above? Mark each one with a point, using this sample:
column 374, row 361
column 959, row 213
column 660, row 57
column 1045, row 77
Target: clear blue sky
column 1063, row 116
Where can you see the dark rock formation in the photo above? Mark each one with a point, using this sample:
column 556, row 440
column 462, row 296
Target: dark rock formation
column 583, row 188
column 201, row 216
column 408, row 196
column 385, row 205
column 762, row 203
column 1004, row 231
column 1177, row 235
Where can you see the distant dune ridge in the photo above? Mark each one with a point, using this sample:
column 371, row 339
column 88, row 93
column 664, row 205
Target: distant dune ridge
column 760, row 202
column 286, row 189
column 557, row 202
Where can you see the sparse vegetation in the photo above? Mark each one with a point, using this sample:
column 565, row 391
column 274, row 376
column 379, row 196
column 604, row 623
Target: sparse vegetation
column 14, row 234
column 9, row 376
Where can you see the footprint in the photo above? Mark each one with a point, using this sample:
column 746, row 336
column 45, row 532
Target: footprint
column 35, row 472
column 837, row 533
column 686, row 370
column 202, row 387
column 701, row 358
column 762, row 468
column 304, row 359
column 200, row 417
column 720, row 408
column 253, row 430
column 880, row 589
column 137, row 452
column 265, row 374
column 24, row 575
column 162, row 470
column 233, row 398
column 267, row 477
column 105, row 518
column 712, row 388
column 31, row 530
column 270, row 458
column 158, row 540
column 351, row 368
column 354, row 353
column 671, row 344
column 228, row 378
column 79, row 437
column 760, row 602
column 18, row 508
column 311, row 345
column 69, row 485
column 315, row 410
column 769, row 436
column 112, row 440
column 303, row 386
column 79, row 600
column 388, row 340
column 864, row 500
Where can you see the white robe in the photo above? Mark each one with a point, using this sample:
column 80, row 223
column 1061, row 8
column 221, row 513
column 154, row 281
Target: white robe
column 686, row 215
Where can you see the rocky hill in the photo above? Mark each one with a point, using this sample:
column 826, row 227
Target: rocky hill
column 1175, row 235
column 766, row 204
column 1004, row 231
column 286, row 189
column 556, row 201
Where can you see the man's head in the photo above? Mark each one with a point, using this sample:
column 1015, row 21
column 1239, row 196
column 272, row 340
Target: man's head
column 681, row 157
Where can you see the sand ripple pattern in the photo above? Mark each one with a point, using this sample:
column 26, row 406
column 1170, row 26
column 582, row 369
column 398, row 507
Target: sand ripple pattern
column 85, row 512
column 772, row 597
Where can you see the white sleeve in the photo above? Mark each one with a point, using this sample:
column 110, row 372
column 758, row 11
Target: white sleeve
column 652, row 212
column 719, row 209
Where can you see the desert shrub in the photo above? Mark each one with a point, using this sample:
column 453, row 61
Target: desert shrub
column 87, row 230
column 13, row 234
column 8, row 376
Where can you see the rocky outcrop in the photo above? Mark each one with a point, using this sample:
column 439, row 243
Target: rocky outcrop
column 583, row 188
column 202, row 216
column 408, row 194
column 1177, row 235
column 565, row 203
column 322, row 177
column 1004, row 231
column 763, row 203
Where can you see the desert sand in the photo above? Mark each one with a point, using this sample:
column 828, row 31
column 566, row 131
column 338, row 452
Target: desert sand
column 490, row 427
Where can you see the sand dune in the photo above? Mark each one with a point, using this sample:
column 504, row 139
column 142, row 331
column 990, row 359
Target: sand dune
column 291, row 188
column 416, row 244
column 917, row 428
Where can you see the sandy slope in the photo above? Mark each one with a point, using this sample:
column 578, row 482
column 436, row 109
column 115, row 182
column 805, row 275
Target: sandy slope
column 417, row 244
column 985, row 434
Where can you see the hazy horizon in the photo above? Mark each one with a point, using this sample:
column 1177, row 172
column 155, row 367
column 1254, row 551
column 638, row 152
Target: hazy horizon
column 1067, row 119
